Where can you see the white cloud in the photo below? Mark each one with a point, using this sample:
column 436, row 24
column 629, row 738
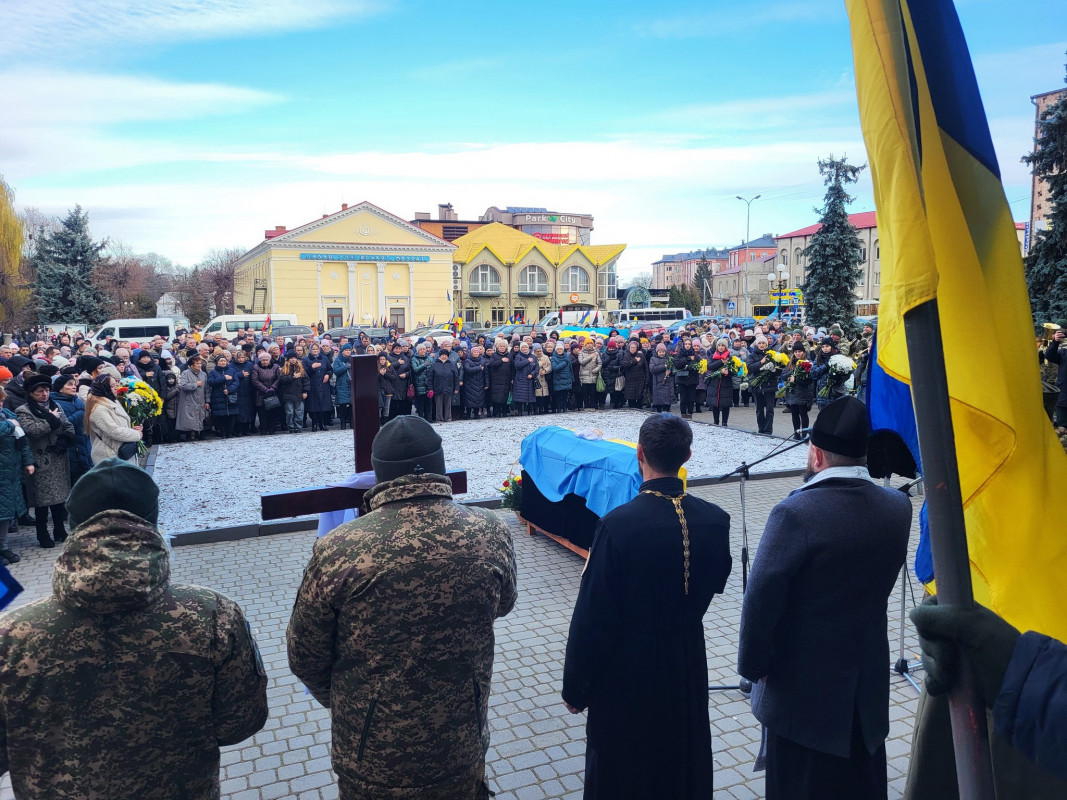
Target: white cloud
column 62, row 28
column 751, row 17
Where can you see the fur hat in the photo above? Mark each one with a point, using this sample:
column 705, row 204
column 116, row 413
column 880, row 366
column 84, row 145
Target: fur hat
column 35, row 381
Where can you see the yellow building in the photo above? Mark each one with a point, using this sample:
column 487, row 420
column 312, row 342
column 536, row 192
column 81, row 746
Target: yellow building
column 502, row 273
column 361, row 263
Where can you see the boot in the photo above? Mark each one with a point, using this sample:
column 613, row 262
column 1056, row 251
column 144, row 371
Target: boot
column 26, row 519
column 45, row 541
column 10, row 557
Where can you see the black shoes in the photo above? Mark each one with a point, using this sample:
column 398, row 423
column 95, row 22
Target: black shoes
column 26, row 519
column 45, row 542
column 9, row 557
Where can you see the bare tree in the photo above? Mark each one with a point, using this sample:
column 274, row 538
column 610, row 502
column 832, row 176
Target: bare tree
column 217, row 271
column 124, row 282
column 642, row 279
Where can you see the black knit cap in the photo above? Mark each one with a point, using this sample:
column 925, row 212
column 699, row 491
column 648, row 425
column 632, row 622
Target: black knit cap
column 114, row 485
column 842, row 428
column 407, row 445
column 89, row 363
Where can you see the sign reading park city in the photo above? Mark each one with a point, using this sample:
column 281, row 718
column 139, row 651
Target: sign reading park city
column 358, row 257
column 554, row 219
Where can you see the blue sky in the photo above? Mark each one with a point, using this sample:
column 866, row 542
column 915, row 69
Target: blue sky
column 190, row 124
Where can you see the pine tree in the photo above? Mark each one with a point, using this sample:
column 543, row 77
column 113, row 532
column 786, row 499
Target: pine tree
column 1046, row 263
column 64, row 261
column 702, row 278
column 834, row 253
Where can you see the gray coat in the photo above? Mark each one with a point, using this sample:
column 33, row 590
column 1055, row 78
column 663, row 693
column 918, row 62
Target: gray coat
column 191, row 399
column 662, row 383
column 813, row 624
column 50, row 483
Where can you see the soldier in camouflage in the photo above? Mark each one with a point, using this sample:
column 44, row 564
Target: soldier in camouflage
column 393, row 628
column 123, row 685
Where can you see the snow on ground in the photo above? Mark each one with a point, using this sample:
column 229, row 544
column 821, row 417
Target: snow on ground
column 241, row 469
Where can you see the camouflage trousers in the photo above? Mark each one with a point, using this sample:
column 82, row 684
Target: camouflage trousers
column 473, row 787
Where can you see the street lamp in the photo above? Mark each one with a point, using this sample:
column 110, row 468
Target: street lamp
column 778, row 283
column 748, row 220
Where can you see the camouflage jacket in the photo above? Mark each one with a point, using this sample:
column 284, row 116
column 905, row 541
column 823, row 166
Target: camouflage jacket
column 122, row 685
column 392, row 630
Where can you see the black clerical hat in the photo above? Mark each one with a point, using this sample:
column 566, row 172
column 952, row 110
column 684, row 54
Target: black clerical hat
column 842, row 428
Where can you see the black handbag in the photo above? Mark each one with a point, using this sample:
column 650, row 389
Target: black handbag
column 127, row 450
column 270, row 402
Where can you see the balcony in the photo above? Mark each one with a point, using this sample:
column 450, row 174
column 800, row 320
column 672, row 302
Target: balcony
column 533, row 292
column 484, row 291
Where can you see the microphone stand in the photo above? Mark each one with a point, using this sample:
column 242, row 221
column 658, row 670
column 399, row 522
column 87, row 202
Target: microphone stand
column 745, row 685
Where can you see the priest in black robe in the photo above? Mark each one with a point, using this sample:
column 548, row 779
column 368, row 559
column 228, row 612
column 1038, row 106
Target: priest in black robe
column 636, row 656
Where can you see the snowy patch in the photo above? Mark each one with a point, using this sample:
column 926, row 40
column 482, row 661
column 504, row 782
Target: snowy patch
column 240, row 470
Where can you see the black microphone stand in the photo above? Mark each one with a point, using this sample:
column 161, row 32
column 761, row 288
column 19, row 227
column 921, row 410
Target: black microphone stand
column 745, row 685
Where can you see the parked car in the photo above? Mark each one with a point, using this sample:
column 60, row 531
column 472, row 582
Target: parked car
column 674, row 327
column 376, row 335
column 646, row 330
column 507, row 331
column 291, row 331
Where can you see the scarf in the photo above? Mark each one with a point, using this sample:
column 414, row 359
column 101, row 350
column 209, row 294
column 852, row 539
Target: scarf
column 101, row 387
column 43, row 412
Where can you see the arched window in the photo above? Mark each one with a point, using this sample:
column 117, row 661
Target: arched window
column 533, row 280
column 606, row 282
column 574, row 279
column 485, row 280
column 877, row 250
column 785, row 257
column 796, row 256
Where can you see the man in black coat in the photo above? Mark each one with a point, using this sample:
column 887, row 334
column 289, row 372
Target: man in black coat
column 813, row 626
column 1057, row 354
column 636, row 656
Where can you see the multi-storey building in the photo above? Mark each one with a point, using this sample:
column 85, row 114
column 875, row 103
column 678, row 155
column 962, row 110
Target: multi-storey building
column 680, row 269
column 1039, row 201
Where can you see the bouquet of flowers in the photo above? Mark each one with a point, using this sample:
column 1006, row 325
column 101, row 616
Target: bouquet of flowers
column 840, row 369
column 802, row 370
column 670, row 367
column 770, row 369
column 141, row 402
column 736, row 366
column 512, row 493
column 702, row 366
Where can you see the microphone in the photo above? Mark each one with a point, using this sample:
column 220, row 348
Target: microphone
column 804, row 431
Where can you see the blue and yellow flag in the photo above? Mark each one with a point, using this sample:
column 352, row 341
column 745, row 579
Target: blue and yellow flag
column 946, row 232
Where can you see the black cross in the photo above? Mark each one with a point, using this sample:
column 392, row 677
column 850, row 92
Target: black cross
column 363, row 371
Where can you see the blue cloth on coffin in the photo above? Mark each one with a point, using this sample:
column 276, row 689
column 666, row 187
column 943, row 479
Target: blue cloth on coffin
column 560, row 463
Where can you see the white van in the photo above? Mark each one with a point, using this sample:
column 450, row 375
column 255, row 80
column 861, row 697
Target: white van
column 136, row 330
column 229, row 324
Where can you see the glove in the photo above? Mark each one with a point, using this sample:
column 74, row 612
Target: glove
column 430, row 394
column 986, row 640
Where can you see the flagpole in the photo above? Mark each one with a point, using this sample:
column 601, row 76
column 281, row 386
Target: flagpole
column 948, row 535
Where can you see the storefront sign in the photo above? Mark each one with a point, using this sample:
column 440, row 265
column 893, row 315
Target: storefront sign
column 357, row 257
column 554, row 219
column 553, row 238
column 575, row 298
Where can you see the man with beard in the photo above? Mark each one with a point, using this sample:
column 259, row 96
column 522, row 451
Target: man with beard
column 813, row 626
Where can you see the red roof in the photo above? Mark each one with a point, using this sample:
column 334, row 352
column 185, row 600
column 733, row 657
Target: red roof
column 865, row 219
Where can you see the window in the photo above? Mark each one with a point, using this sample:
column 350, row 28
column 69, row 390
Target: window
column 470, row 314
column 863, row 278
column 334, row 317
column 574, row 279
column 863, row 254
column 785, row 258
column 543, row 312
column 606, row 289
column 533, row 280
column 518, row 314
column 878, row 279
column 877, row 250
column 485, row 280
column 498, row 316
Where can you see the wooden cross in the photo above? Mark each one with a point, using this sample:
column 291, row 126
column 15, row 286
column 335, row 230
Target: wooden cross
column 363, row 371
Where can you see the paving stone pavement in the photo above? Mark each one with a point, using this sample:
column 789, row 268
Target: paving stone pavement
column 537, row 747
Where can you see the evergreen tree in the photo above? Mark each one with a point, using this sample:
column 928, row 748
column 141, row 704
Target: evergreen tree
column 64, row 262
column 834, row 253
column 1046, row 263
column 702, row 278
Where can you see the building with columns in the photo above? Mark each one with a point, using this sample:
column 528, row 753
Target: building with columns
column 361, row 264
column 501, row 273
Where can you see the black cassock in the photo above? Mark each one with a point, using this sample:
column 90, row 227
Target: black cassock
column 636, row 655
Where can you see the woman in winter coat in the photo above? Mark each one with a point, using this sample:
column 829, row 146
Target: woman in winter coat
column 343, row 385
column 662, row 379
column 589, row 366
column 719, row 383
column 544, row 377
column 293, row 387
column 50, row 434
column 686, row 376
column 611, row 370
column 501, row 372
column 246, row 400
column 106, row 421
column 474, row 375
column 265, row 375
column 15, row 459
column 635, row 372
column 799, row 391
column 402, row 378
column 192, row 399
column 562, row 378
column 526, row 369
column 169, row 394
column 65, row 395
column 223, row 396
column 820, row 372
column 319, row 401
column 740, row 349
column 386, row 383
column 443, row 385
column 421, row 364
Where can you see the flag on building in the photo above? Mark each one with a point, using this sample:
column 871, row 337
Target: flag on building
column 9, row 587
column 448, row 295
column 946, row 232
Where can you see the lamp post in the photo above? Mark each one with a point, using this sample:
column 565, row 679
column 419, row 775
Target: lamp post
column 744, row 268
column 778, row 283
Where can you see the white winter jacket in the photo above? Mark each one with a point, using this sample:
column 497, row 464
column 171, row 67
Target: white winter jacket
column 109, row 427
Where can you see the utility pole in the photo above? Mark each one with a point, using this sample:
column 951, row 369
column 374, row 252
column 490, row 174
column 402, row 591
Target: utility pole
column 744, row 267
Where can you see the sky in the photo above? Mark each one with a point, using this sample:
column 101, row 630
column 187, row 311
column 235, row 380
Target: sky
column 186, row 125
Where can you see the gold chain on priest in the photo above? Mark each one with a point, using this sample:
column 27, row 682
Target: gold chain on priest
column 677, row 503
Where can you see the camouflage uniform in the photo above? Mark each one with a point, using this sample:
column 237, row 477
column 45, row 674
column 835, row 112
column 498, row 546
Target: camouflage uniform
column 122, row 685
column 396, row 613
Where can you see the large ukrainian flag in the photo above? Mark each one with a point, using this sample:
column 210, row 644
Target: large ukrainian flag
column 946, row 232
